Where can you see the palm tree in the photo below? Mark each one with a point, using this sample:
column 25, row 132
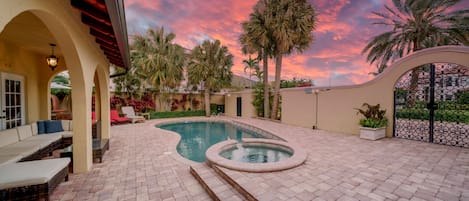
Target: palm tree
column 416, row 25
column 157, row 59
column 257, row 38
column 251, row 64
column 210, row 65
column 291, row 24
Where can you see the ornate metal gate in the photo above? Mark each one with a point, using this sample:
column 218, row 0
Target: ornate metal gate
column 433, row 105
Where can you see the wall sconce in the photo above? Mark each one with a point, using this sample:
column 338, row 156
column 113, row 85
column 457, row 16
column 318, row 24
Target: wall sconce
column 52, row 60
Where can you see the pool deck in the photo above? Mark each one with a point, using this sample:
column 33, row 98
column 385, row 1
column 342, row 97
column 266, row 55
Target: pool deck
column 142, row 164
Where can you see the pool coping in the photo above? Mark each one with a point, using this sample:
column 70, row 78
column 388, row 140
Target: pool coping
column 213, row 157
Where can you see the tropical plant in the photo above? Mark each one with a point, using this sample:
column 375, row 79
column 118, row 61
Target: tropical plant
column 252, row 64
column 416, row 25
column 210, row 65
column 128, row 84
column 257, row 38
column 62, row 80
column 374, row 116
column 295, row 82
column 156, row 58
column 290, row 23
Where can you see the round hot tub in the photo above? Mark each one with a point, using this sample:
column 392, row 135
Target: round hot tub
column 256, row 155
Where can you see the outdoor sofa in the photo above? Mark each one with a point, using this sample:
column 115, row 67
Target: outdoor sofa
column 23, row 176
column 24, row 143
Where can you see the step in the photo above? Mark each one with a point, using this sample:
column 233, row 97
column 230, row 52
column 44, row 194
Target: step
column 217, row 188
column 246, row 194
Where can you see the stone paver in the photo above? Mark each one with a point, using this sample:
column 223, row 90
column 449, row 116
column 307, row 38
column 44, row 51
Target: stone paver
column 143, row 164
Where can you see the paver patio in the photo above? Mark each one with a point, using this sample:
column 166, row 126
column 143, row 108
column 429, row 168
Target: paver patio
column 142, row 164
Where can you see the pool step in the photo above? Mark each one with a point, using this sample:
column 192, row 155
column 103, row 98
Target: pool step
column 217, row 188
column 247, row 195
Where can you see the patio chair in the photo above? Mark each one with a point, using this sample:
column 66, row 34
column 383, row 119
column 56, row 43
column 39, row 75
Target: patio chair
column 130, row 113
column 117, row 119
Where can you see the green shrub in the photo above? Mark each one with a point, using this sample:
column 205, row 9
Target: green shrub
column 373, row 123
column 174, row 114
column 374, row 116
column 440, row 115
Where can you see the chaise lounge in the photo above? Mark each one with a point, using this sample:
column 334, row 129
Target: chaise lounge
column 130, row 113
column 116, row 119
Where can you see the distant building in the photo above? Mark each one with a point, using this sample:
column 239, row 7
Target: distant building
column 450, row 79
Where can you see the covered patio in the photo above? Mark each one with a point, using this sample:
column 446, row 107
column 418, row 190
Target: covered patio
column 90, row 37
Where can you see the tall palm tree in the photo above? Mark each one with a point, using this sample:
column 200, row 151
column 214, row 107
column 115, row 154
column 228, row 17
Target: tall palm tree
column 257, row 38
column 157, row 59
column 416, row 25
column 291, row 23
column 210, row 64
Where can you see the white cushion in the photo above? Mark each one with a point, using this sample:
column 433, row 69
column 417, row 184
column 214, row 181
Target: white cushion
column 66, row 125
column 9, row 136
column 24, row 132
column 21, row 150
column 26, row 173
column 45, row 140
column 5, row 159
column 66, row 134
column 34, row 128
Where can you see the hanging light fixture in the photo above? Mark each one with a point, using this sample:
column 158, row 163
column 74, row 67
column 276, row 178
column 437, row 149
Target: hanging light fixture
column 52, row 60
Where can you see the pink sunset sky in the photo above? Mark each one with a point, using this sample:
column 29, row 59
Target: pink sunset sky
column 344, row 27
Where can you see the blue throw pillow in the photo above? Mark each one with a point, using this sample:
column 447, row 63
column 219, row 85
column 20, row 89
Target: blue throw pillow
column 41, row 127
column 53, row 126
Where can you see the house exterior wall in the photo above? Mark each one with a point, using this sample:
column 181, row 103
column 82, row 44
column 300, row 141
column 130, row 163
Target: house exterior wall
column 82, row 56
column 336, row 104
column 247, row 109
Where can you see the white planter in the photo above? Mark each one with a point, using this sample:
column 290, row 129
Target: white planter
column 372, row 133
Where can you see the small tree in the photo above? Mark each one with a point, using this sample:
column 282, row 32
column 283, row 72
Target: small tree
column 210, row 64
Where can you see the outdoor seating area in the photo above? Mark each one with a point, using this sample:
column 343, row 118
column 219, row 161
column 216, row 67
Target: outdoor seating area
column 21, row 152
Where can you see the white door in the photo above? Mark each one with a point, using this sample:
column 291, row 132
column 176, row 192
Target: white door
column 12, row 112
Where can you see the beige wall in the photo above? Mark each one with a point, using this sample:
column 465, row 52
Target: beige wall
column 336, row 105
column 247, row 110
column 80, row 56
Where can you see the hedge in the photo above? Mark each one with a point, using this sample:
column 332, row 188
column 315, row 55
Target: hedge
column 174, row 114
column 440, row 115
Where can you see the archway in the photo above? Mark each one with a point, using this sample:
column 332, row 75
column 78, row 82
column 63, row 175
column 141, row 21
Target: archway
column 435, row 107
column 25, row 51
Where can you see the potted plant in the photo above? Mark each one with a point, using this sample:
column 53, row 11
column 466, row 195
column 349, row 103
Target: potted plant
column 373, row 126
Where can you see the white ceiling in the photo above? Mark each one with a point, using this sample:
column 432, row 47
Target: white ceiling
column 30, row 33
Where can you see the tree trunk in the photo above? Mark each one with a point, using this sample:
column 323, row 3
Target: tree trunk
column 414, row 81
column 278, row 70
column 207, row 101
column 266, row 85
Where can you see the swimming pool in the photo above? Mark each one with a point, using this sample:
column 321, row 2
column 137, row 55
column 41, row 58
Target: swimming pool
column 197, row 137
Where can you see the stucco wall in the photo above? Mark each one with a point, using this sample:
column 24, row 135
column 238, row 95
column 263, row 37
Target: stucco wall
column 82, row 56
column 336, row 105
column 247, row 110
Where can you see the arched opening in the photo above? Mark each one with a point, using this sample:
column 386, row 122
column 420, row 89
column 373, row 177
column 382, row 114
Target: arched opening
column 24, row 45
column 431, row 104
column 61, row 96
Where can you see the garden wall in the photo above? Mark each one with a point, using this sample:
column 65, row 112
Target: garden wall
column 335, row 105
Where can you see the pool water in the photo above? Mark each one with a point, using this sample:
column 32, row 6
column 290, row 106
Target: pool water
column 197, row 137
column 255, row 154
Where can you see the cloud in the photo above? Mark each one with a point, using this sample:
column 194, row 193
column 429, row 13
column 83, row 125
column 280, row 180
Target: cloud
column 344, row 27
